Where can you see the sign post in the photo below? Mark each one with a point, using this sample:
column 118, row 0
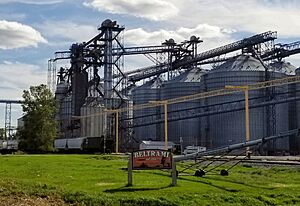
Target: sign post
column 151, row 160
column 130, row 170
column 174, row 173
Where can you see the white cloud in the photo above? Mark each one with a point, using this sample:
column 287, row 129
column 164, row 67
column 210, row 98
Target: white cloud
column 17, row 35
column 294, row 60
column 140, row 36
column 149, row 9
column 136, row 61
column 205, row 31
column 16, row 76
column 253, row 16
column 212, row 35
column 68, row 30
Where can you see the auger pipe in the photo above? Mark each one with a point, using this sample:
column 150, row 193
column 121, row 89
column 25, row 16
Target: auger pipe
column 234, row 146
column 244, row 43
column 9, row 101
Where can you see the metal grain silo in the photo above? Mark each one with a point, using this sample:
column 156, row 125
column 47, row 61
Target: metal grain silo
column 66, row 117
column 150, row 91
column 92, row 123
column 187, row 83
column 229, row 128
column 295, row 118
column 283, row 111
column 60, row 98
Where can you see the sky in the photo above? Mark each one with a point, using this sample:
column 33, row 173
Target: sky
column 32, row 30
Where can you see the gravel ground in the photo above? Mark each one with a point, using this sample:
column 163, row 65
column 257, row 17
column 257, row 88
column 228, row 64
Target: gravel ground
column 30, row 201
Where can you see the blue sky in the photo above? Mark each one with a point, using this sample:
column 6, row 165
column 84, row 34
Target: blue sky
column 32, row 30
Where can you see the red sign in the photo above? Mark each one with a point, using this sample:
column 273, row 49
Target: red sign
column 151, row 159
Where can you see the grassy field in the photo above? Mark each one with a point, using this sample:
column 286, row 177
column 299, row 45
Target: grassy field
column 101, row 180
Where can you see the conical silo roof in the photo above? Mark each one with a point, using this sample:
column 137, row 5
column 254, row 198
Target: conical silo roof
column 240, row 63
column 284, row 67
column 193, row 75
column 152, row 84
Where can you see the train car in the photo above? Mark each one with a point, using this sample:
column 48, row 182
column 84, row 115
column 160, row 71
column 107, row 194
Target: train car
column 84, row 144
column 72, row 144
column 75, row 143
column 60, row 144
column 8, row 146
column 156, row 145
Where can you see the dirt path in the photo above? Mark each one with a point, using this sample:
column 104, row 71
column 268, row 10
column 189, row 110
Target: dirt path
column 30, row 201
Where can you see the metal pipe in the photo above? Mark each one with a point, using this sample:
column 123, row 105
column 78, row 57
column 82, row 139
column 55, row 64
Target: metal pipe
column 9, row 101
column 209, row 113
column 166, row 125
column 247, row 126
column 234, row 146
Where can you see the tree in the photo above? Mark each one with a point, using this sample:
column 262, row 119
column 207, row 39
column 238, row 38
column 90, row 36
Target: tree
column 39, row 130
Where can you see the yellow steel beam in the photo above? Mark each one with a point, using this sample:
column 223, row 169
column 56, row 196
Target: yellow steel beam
column 247, row 124
column 165, row 103
column 166, row 125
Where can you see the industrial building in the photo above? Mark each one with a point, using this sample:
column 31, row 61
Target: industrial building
column 92, row 92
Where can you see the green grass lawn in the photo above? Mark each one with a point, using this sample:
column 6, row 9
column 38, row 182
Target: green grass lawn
column 100, row 180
